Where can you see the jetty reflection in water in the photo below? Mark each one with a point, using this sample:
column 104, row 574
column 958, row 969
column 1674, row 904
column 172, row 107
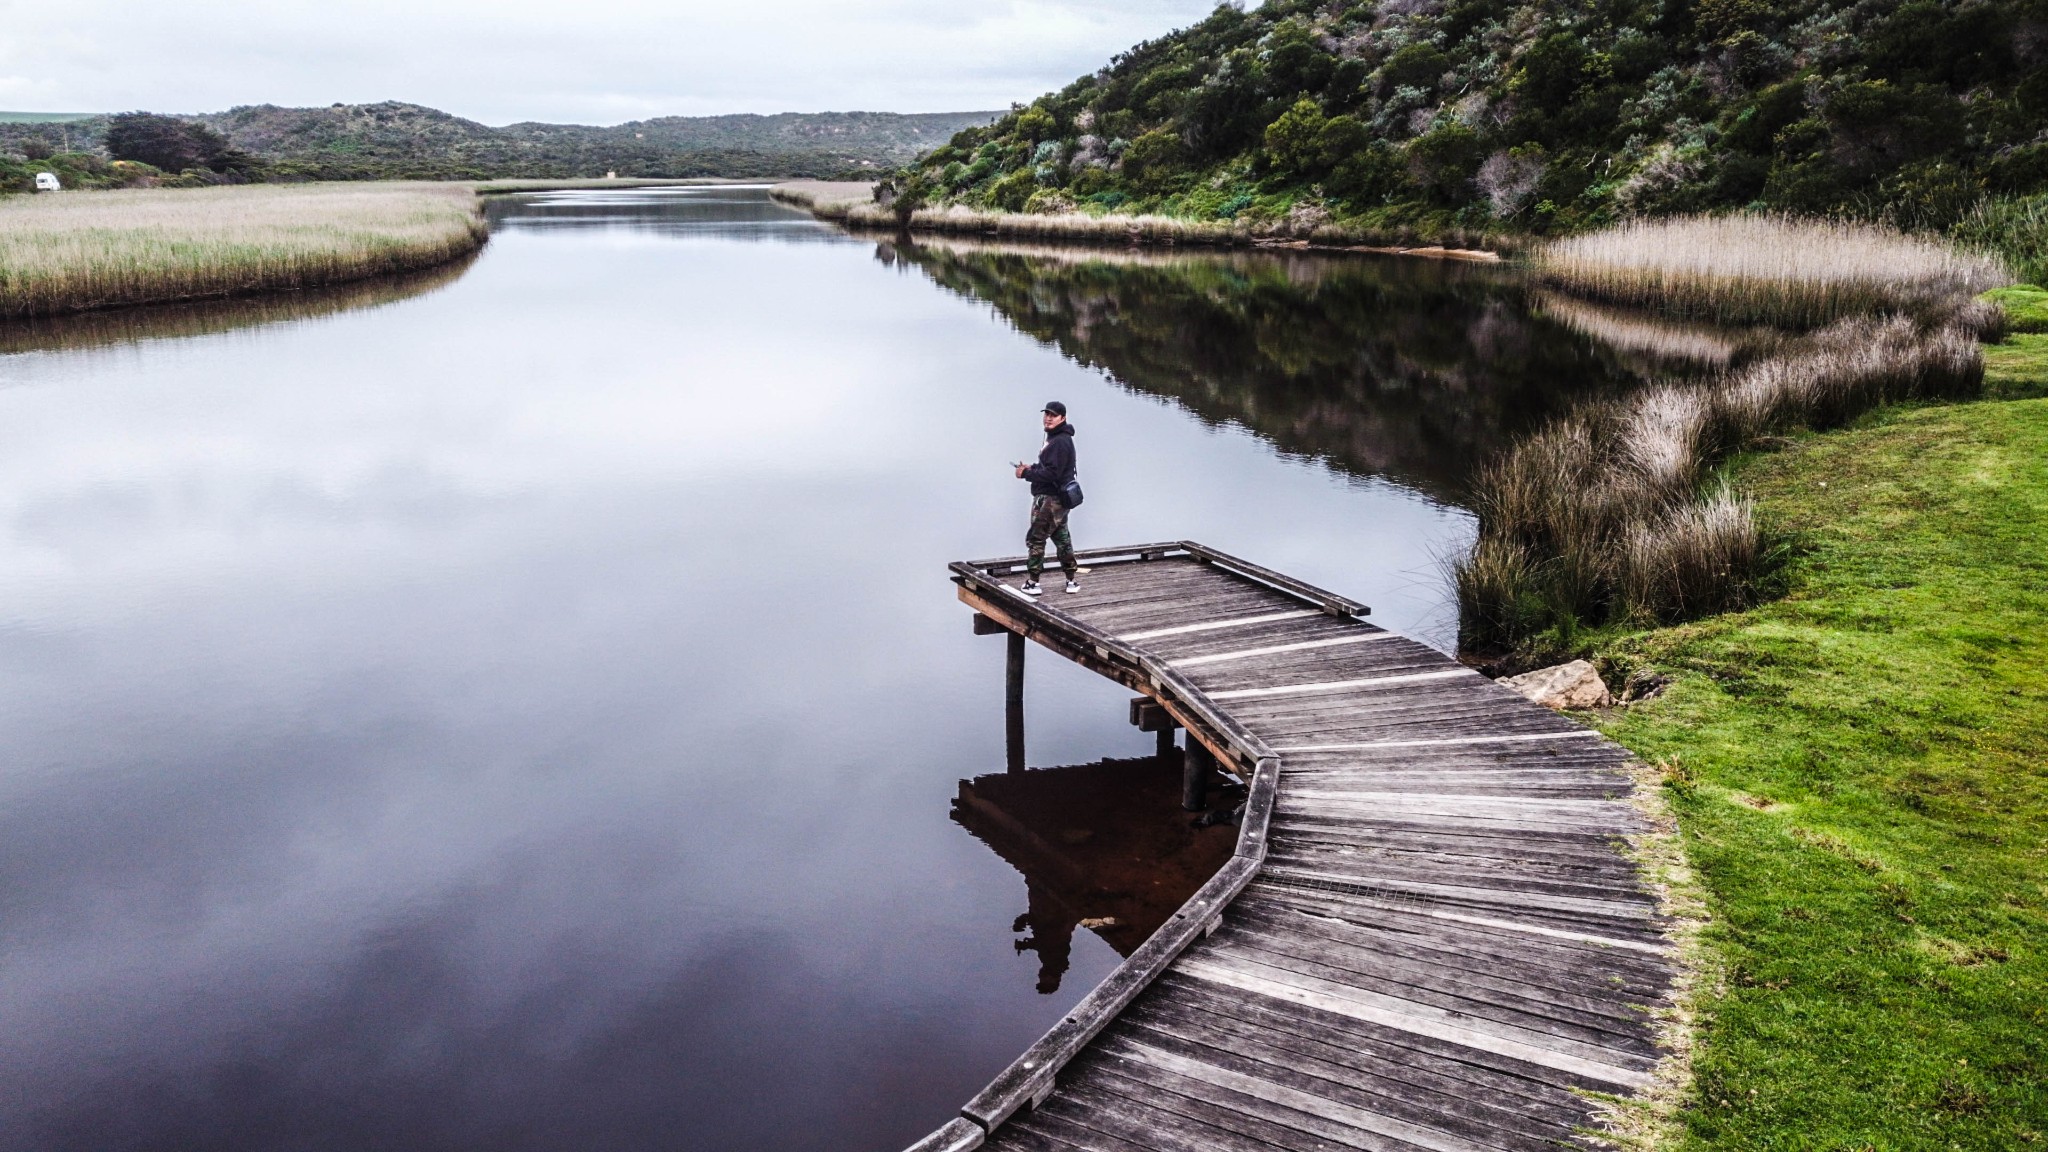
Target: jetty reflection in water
column 1103, row 846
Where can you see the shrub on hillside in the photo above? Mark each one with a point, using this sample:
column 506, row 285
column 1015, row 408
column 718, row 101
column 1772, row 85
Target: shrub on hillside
column 1558, row 118
column 173, row 145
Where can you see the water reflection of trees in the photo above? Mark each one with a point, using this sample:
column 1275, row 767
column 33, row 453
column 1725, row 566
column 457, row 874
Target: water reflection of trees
column 1411, row 369
column 1102, row 846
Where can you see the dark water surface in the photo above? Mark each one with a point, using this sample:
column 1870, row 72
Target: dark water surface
column 525, row 709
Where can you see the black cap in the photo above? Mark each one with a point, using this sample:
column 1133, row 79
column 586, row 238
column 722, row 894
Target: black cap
column 1055, row 407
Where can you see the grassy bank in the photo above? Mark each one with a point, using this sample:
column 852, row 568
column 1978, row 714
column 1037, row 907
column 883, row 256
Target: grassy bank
column 1858, row 769
column 83, row 250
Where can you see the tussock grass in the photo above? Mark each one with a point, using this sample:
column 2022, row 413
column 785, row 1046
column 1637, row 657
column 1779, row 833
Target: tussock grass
column 1777, row 270
column 85, row 250
column 1599, row 518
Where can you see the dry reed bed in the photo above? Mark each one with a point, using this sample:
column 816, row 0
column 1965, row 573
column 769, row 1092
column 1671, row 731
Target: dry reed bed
column 82, row 250
column 1606, row 515
column 1768, row 269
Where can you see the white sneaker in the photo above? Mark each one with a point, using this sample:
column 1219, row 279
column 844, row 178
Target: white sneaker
column 1030, row 588
column 1073, row 586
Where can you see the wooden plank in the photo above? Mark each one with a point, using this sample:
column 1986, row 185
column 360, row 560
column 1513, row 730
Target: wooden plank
column 1213, row 625
column 1311, row 627
column 1019, row 1138
column 1395, row 1056
column 1276, row 649
column 1441, row 741
column 1366, row 684
column 1587, row 1061
column 1450, row 928
column 1083, row 1128
column 1530, row 928
column 1104, row 1081
column 1091, row 1108
column 1559, row 1014
column 1380, row 1087
column 1571, row 983
column 1162, row 1081
column 1291, row 1097
column 1149, row 611
column 1458, row 872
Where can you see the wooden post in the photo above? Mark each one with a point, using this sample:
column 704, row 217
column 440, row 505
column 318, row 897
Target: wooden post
column 1013, row 704
column 1194, row 775
column 1166, row 748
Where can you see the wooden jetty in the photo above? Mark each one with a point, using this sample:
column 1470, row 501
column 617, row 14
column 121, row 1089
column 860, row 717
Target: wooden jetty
column 1430, row 935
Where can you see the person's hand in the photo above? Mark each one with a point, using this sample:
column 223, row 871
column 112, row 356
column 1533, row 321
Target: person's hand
column 1020, row 471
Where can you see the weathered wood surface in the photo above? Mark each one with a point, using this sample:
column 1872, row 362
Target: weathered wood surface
column 1430, row 937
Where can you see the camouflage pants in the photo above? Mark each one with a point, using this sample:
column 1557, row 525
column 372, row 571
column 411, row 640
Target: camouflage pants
column 1049, row 520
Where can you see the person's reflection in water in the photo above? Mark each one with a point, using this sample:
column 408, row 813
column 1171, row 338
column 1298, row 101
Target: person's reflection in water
column 1102, row 846
column 1051, row 924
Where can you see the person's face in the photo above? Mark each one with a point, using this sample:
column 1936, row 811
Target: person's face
column 1052, row 420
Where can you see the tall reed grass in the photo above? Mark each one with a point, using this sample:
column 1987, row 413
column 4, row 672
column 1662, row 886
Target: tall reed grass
column 825, row 199
column 1600, row 517
column 1746, row 269
column 75, row 251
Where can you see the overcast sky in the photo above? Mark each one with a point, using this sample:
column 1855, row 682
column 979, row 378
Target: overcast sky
column 595, row 61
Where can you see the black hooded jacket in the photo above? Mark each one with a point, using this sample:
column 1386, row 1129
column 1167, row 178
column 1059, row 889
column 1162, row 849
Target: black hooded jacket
column 1055, row 462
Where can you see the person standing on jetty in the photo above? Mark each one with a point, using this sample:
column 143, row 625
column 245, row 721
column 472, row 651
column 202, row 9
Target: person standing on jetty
column 1054, row 493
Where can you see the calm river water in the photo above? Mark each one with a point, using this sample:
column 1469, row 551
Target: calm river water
column 524, row 707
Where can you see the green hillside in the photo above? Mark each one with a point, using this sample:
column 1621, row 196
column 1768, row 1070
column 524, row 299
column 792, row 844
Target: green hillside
column 394, row 140
column 1508, row 115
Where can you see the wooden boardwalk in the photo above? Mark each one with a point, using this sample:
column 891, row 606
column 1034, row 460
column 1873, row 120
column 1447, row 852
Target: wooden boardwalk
column 1430, row 936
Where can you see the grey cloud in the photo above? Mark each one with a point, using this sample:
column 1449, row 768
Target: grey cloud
column 601, row 62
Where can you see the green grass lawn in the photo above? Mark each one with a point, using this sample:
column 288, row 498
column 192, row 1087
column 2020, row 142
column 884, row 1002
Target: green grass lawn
column 1860, row 772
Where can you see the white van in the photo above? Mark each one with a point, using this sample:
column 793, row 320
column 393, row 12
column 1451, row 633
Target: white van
column 47, row 182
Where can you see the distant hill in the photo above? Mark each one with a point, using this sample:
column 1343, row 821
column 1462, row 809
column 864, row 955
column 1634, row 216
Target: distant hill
column 409, row 141
column 1530, row 115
